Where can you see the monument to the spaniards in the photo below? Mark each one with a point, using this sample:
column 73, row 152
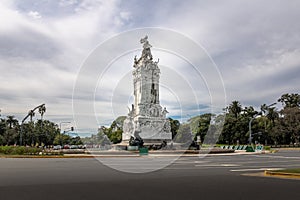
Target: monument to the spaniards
column 146, row 119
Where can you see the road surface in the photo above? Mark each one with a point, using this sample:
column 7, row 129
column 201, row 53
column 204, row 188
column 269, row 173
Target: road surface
column 212, row 177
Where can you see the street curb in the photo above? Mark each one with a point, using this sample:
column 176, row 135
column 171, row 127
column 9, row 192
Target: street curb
column 282, row 174
column 120, row 155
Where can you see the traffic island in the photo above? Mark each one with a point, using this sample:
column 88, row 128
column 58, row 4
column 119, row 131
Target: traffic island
column 284, row 173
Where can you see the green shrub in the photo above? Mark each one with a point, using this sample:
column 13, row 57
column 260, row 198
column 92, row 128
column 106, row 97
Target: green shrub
column 268, row 148
column 19, row 150
column 5, row 149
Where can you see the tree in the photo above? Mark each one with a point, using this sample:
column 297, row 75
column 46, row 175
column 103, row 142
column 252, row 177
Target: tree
column 249, row 112
column 9, row 129
column 12, row 122
column 75, row 141
column 61, row 139
column 175, row 124
column 235, row 108
column 229, row 130
column 116, row 136
column 114, row 132
column 290, row 100
column 236, row 126
column 33, row 132
column 29, row 134
column 2, row 127
column 2, row 130
column 286, row 129
column 1, row 140
column 42, row 110
column 203, row 125
column 47, row 132
column 272, row 115
column 31, row 114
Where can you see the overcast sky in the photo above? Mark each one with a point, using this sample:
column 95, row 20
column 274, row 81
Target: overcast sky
column 43, row 45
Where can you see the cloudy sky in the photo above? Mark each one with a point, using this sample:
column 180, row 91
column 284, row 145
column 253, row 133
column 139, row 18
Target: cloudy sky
column 44, row 44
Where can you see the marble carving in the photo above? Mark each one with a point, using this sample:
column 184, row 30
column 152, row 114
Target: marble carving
column 146, row 118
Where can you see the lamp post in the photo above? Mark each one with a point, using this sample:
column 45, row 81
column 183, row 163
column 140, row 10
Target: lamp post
column 265, row 120
column 250, row 128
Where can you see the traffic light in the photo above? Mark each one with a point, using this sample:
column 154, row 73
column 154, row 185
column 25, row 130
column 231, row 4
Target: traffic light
column 72, row 128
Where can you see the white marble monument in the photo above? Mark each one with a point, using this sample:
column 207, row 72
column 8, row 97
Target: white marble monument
column 146, row 118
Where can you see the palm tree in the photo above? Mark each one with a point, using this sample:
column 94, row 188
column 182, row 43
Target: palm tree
column 235, row 108
column 272, row 114
column 31, row 114
column 290, row 100
column 249, row 112
column 42, row 110
column 264, row 108
column 11, row 121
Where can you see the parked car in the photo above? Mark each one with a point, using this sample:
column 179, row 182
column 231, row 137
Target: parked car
column 73, row 147
column 82, row 146
column 57, row 147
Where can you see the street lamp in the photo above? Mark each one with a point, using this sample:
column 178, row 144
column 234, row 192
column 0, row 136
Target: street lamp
column 250, row 129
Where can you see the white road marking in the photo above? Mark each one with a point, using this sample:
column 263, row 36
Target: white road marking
column 217, row 165
column 230, row 165
column 201, row 161
column 212, row 165
column 257, row 169
column 260, row 156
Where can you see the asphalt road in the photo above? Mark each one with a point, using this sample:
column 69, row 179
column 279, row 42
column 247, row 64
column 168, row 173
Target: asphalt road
column 213, row 177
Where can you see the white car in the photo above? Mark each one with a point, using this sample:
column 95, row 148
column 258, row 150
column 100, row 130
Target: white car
column 57, row 147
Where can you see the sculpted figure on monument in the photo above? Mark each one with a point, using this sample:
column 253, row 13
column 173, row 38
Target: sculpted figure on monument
column 135, row 62
column 146, row 53
column 153, row 112
column 164, row 112
column 167, row 126
column 131, row 112
column 138, row 141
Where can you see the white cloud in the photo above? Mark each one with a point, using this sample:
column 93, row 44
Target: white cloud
column 40, row 59
column 64, row 3
column 34, row 14
column 255, row 44
column 42, row 46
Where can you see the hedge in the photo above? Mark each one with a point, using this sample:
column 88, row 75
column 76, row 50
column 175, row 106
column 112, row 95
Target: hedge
column 19, row 150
